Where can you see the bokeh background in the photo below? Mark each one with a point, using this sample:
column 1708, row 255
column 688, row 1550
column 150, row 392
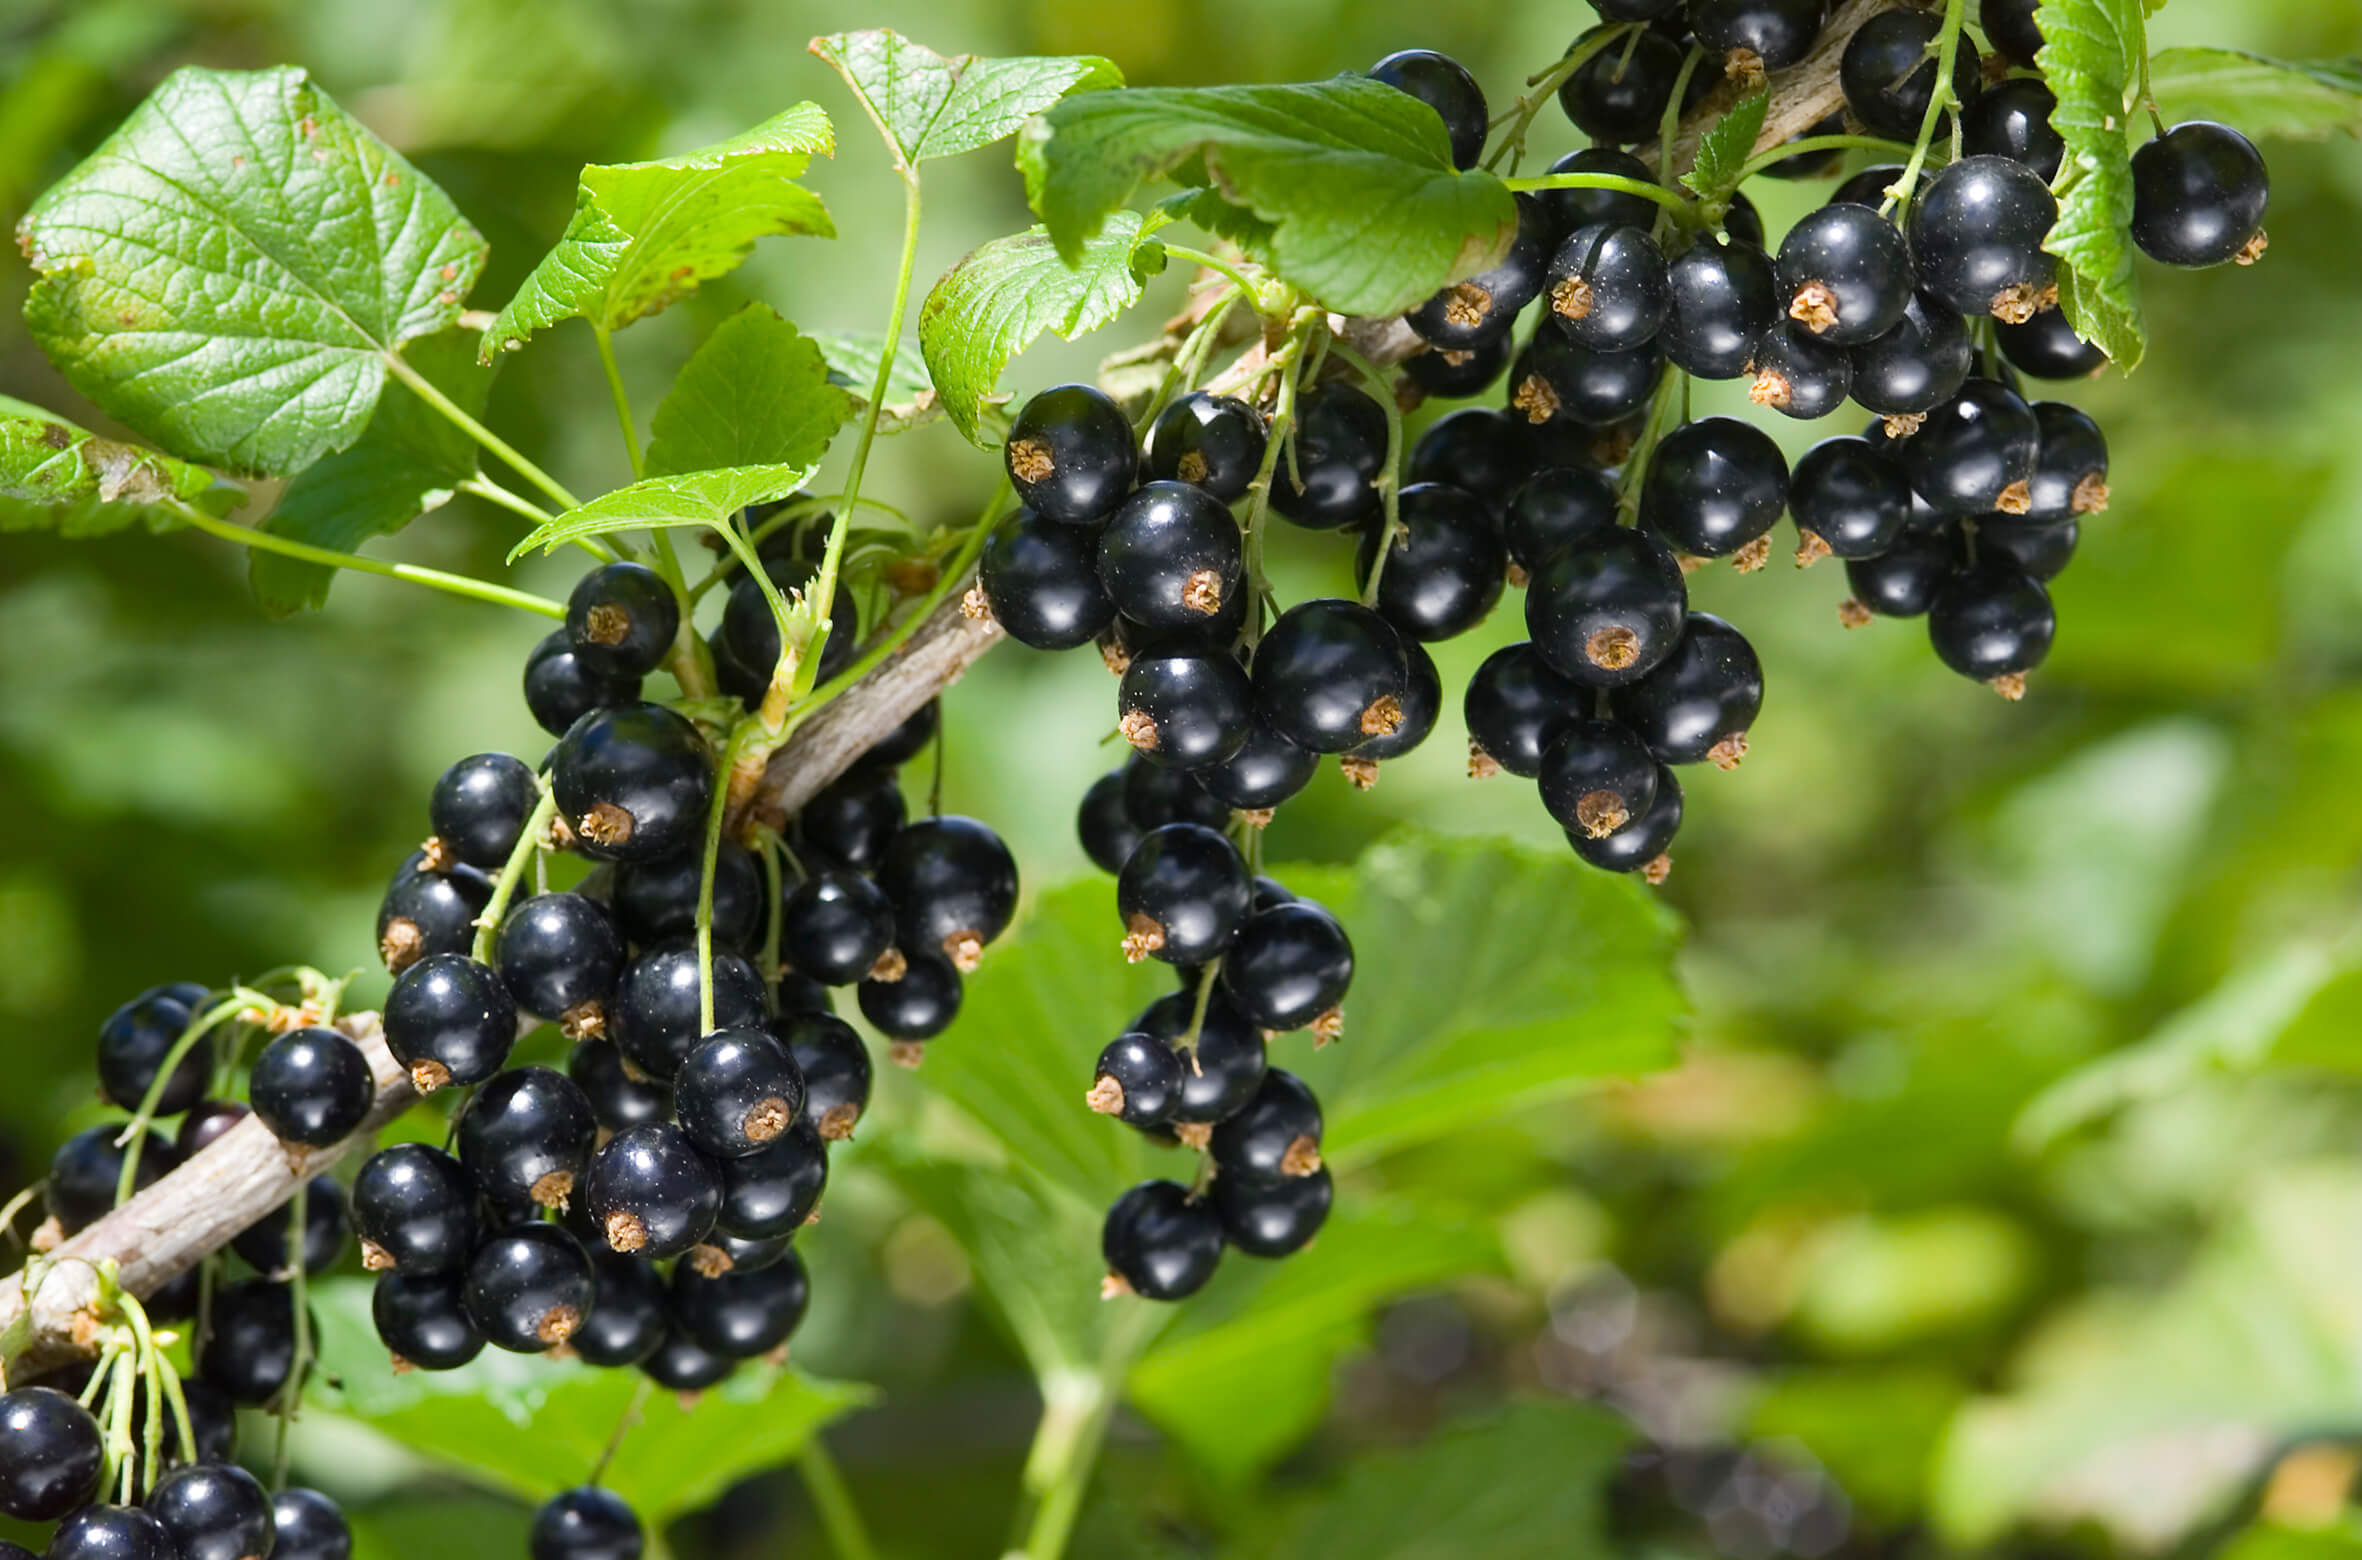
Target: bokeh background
column 2009, row 1194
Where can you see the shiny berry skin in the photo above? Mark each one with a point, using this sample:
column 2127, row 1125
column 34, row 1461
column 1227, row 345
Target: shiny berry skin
column 2047, row 347
column 1266, row 770
column 1422, row 704
column 587, row 1523
column 1575, row 208
column 1977, row 231
column 1340, row 448
column 1273, row 1218
column 1277, row 1133
column 1849, row 494
column 1185, row 708
column 834, row 925
column 652, row 1193
column 1866, row 188
column 1070, row 454
column 1213, row 442
column 415, row 1209
column 1105, row 829
column 621, row 619
column 1606, row 612
column 1992, row 621
column 918, row 1006
column 251, row 1347
column 1778, row 32
column 792, row 994
column 656, row 901
column 1700, row 702
column 1597, row 776
column 479, row 807
column 1479, row 310
column 111, row 1533
column 908, row 740
column 213, row 1511
column 1799, row 375
column 1137, row 1080
column 2198, row 194
column 2071, row 470
column 1559, row 381
column 2040, row 552
column 311, row 1086
column 1288, row 966
column 741, row 1316
column 1476, row 449
column 263, row 1244
column 427, row 912
column 203, row 1126
column 1443, row 84
column 449, row 1020
column 953, row 884
column 525, row 1138
column 1445, row 567
column 617, row 1099
column 1844, row 274
column 561, row 687
column 1918, row 365
column 678, row 1364
column 423, row 1321
column 1976, row 452
column 50, row 1454
column 634, row 783
column 2009, row 27
column 1811, row 165
column 769, row 1194
column 1455, row 373
column 852, row 821
column 1041, row 580
column 1713, row 486
column 1721, row 299
column 1557, row 508
column 1607, row 287
column 559, row 956
column 1902, row 581
column 1888, row 74
column 1155, row 796
column 1229, row 1061
column 1330, row 674
column 1640, row 842
column 1159, row 1244
column 1619, row 94
column 86, row 1167
column 310, row 1527
column 655, row 1019
column 1515, row 708
column 836, row 1071
column 627, row 1315
column 132, row 1046
column 528, row 1287
column 2012, row 119
column 1182, row 895
column 1742, row 223
column 736, row 1091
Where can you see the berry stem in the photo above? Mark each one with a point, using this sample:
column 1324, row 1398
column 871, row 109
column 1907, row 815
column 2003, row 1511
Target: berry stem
column 774, row 888
column 477, row 431
column 623, row 1427
column 122, row 1402
column 1899, row 193
column 623, row 405
column 748, row 733
column 1188, row 359
column 1197, row 1009
column 456, row 584
column 512, row 872
column 1669, row 123
column 299, row 1366
column 1389, row 477
column 163, row 1378
column 840, row 1516
column 1670, row 405
column 531, row 513
column 134, row 1135
column 1806, row 146
column 1684, row 209
column 1543, row 85
column 1076, row 1406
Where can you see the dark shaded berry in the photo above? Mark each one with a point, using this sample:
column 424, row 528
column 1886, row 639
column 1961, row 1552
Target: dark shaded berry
column 1844, row 274
column 429, row 911
column 1328, row 480
column 1070, row 454
column 1721, row 299
column 621, row 619
column 656, row 901
column 559, row 956
column 741, row 1316
column 1918, row 365
column 1445, row 567
column 50, row 1453
column 311, row 1086
column 423, row 1321
column 1560, row 381
column 1607, row 287
column 132, row 1046
column 2009, row 28
column 1597, row 777
column 587, row 1523
column 561, row 687
column 528, row 1288
column 792, row 994
column 1476, row 449
column 734, row 677
column 852, row 820
column 918, row 1005
column 1713, row 486
column 1866, row 188
column 84, row 1171
column 1640, row 844
column 1041, row 580
column 652, row 1193
column 1607, row 611
column 1266, row 770
column 1992, row 621
column 2047, row 347
column 250, row 1348
column 213, row 1511
column 835, row 925
column 1516, row 706
column 1159, row 1243
column 1422, row 703
column 1456, row 373
column 2198, row 195
column 263, row 1244
column 1209, row 441
column 2040, row 552
column 1799, row 375
column 1888, row 74
column 2012, row 120
column 680, row 1365
column 1277, row 1133
column 1155, row 796
column 1570, row 209
column 1777, row 32
column 655, row 1019
column 736, row 1091
column 1185, row 708
column 449, row 1020
column 1443, row 84
column 1137, row 1080
column 203, row 1126
column 836, row 1070
column 1742, row 223
column 1619, row 94
column 1289, row 966
column 1273, row 1218
column 617, row 1098
column 1557, row 508
column 111, row 1533
column 769, row 1194
column 1699, row 703
column 311, row 1527
column 908, row 740
column 953, row 884
column 1103, row 825
column 1227, row 1064
column 415, row 1209
column 525, row 1138
column 479, row 807
column 627, row 1316
column 1182, row 895
column 634, row 783
column 1851, row 496
column 750, row 629
column 1330, row 674
column 1479, row 310
column 1976, row 452
column 1902, row 581
column 2071, row 469
column 1977, row 231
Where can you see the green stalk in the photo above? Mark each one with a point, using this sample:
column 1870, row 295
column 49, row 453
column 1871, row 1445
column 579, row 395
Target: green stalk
column 300, row 1366
column 512, row 872
column 1682, row 208
column 1390, row 478
column 1076, row 1408
column 623, row 405
column 1669, row 123
column 134, row 1135
column 456, row 584
column 1544, row 85
column 477, row 431
column 1947, row 50
column 840, row 1517
column 714, row 813
column 1805, row 146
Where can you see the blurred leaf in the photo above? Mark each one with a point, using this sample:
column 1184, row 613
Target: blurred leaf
column 229, row 272
column 56, row 476
column 647, row 234
column 991, row 305
column 409, row 462
column 927, row 105
column 707, row 498
column 1727, row 144
column 2270, row 1541
column 755, row 394
column 2091, row 57
column 1368, row 214
column 1875, row 1426
column 2306, row 99
column 853, row 362
column 452, row 1528
column 1872, row 1284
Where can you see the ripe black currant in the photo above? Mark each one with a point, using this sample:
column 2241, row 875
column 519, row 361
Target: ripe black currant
column 213, row 1511
column 652, row 1193
column 2047, row 347
column 1576, row 208
column 654, row 1017
column 422, row 1319
column 1776, row 32
column 1699, row 703
column 1721, row 299
column 2012, row 120
column 656, row 901
column 2198, row 195
column 1713, row 486
column 429, row 910
column 1277, row 1133
column 1104, row 826
column 111, row 1533
column 1185, row 708
column 724, row 1253
column 906, row 741
column 2040, row 552
column 415, row 1209
column 1422, row 705
column 1477, row 449
column 633, row 782
column 588, row 1523
column 1918, row 365
column 741, row 1316
column 1607, row 611
column 1160, row 1243
column 311, row 1086
column 621, row 619
column 1557, row 508
column 1607, row 287
column 480, row 805
column 954, row 886
column 559, row 956
column 1444, row 566
column 528, row 1287
column 679, row 1364
column 1137, row 1080
column 86, row 1167
column 310, row 1527
column 834, row 925
column 1479, row 310
column 836, row 1070
column 561, row 687
column 1742, row 223
column 1209, row 441
column 1640, row 845
column 1182, row 895
column 1070, row 454
column 1596, row 777
column 50, row 1454
column 1515, row 708
column 1849, row 496
column 1888, row 74
column 1225, row 1068
column 525, row 1137
column 2071, row 470
column 793, row 993
column 1273, row 1218
column 1443, row 84
column 1992, row 622
column 627, row 1315
column 206, row 1121
column 1798, row 374
column 1976, row 452
column 2009, row 27
column 449, row 1020
column 768, row 1194
column 617, row 1098
column 1266, row 770
column 1559, row 381
column 1844, row 274
column 1330, row 674
column 1289, row 967
column 1619, row 94
column 749, row 637
column 1977, row 232
column 852, row 820
column 1866, row 188
column 1902, row 581
column 251, row 1347
column 736, row 1091
column 1454, row 373
column 918, row 1004
column 263, row 1244
column 132, row 1046
column 1155, row 796
column 1041, row 580
column 1340, row 449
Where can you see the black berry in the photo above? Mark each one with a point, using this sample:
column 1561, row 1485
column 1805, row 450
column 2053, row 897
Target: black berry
column 132, row 1046
column 1597, row 777
column 1619, row 94
column 1137, row 1080
column 587, row 1523
column 953, row 884
column 835, row 925
column 741, row 1316
column 1041, row 579
column 528, row 1288
column 1277, row 1133
column 561, row 687
column 2012, row 120
column 480, row 805
column 50, row 1454
column 111, row 1533
column 852, row 820
column 1516, row 706
column 618, row 1098
column 656, row 901
column 836, row 1070
column 86, row 1168
column 449, row 1020
column 621, row 619
column 920, row 1003
column 1977, row 231
column 736, row 1091
column 1713, row 486
column 310, row 1527
column 1329, row 480
column 1266, row 770
column 311, row 1086
column 1918, row 365
column 2047, row 347
column 1159, row 1243
column 525, row 1137
column 1607, row 611
column 2198, row 195
column 1851, row 496
column 1699, row 703
column 1559, row 381
column 1289, row 966
column 263, row 1244
column 1888, row 74
column 1330, row 674
column 1273, row 1218
column 1976, row 452
column 1479, row 310
column 2009, row 27
column 1214, row 442
column 1185, row 708
column 1991, row 622
column 1182, row 895
column 1640, row 845
column 627, row 1315
column 422, row 1319
column 1608, row 288
column 415, row 1209
column 1776, row 32
column 1443, row 84
column 429, row 910
column 656, row 1015
column 1444, row 565
column 769, row 1194
column 559, row 956
column 634, row 783
column 1070, row 454
column 250, row 1350
column 1721, row 299
column 1798, row 374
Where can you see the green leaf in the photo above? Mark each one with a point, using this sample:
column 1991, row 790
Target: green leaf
column 1003, row 295
column 853, row 363
column 229, row 271
column 707, row 498
column 1367, row 212
column 2091, row 59
column 2300, row 99
column 928, row 105
column 755, row 394
column 1727, row 144
column 647, row 234
column 55, row 476
column 409, row 462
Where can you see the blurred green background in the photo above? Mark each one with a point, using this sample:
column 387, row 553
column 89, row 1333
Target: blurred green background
column 2009, row 1191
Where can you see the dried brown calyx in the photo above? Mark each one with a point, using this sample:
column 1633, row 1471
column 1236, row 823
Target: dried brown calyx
column 890, row 967
column 1771, row 388
column 1725, row 755
column 965, row 950
column 1904, row 424
column 905, row 1054
column 1302, row 1157
column 1139, row 729
column 710, row 1261
column 1745, row 67
column 1113, row 1287
column 1659, row 868
column 2021, row 301
column 1810, row 549
column 1114, row 657
column 1194, row 1134
column 554, row 1190
column 1258, row 817
column 1753, row 556
column 1191, row 467
column 1202, row 592
column 375, row 1258
column 1329, row 1028
column 1517, row 576
column 1612, row 648
column 1142, row 937
column 767, row 1120
column 1030, row 460
column 625, row 1232
column 2010, row 685
column 1852, row 614
column 1814, row 307
column 428, row 1076
column 1601, row 813
column 1467, row 305
column 605, row 824
column 435, row 856
column 2015, row 499
column 557, row 1324
column 1573, row 298
column 2091, row 495
column 837, row 1122
column 1536, row 399
column 607, row 624
column 584, row 1020
column 1106, row 1096
column 1360, row 773
column 975, row 605
column 1383, row 718
column 2253, row 250
column 401, row 944
column 1481, row 765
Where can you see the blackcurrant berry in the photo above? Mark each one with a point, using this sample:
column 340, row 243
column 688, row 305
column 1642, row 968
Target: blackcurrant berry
column 1159, row 1243
column 1182, row 895
column 1742, row 223
column 1137, row 1080
column 1070, row 454
column 1273, row 1218
column 1812, row 165
column 1479, row 310
column 525, row 1138
column 618, row 1098
column 1888, row 74
column 750, row 629
column 681, row 1365
column 1443, row 84
column 1596, row 777
column 1226, row 1066
column 1977, row 232
column 852, row 820
column 310, row 1527
column 1918, row 365
column 627, row 1315
column 1866, row 188
column 1266, row 770
column 449, row 1020
column 836, row 1070
column 2071, row 470
column 203, row 1126
column 2047, row 347
column 1289, row 967
column 528, row 1287
column 1559, row 381
column 1798, row 374
column 415, row 1209
column 656, row 901
column 588, row 1523
column 769, row 1194
column 1570, row 209
column 561, row 687
column 1721, row 299
column 2040, row 552
column 1104, row 827
column 1444, row 566
column 1607, row 287
column 422, row 1319
column 429, row 911
column 480, row 805
column 1713, row 486
column 250, row 1349
column 1557, row 508
column 111, row 1533
column 1850, row 497
column 1277, row 1133
column 2012, row 120
column 1330, row 674
column 132, row 1046
column 213, row 1511
column 1776, row 32
column 1209, row 441
column 953, row 884
column 1607, row 611
column 263, row 1244
column 559, row 956
column 1041, row 580
column 655, row 1016
column 1456, row 373
column 741, row 1316
column 1844, row 274
column 1515, row 708
column 742, row 682
column 2009, row 27
column 1976, row 452
column 1185, row 708
column 2198, row 195
column 1155, row 796
column 835, row 925
column 1699, row 703
column 311, row 1086
column 736, row 1091
column 84, row 1171
column 1422, row 704
column 634, row 783
column 906, row 741
column 1619, row 94
column 918, row 1004
column 1640, row 845
column 792, row 994
column 621, row 619
column 1327, row 482
column 1992, row 622
column 1902, row 581
column 50, row 1454
column 1475, row 449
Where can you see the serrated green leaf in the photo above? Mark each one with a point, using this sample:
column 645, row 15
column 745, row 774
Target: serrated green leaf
column 1727, row 144
column 930, row 105
column 853, row 363
column 997, row 300
column 707, row 498
column 55, row 476
column 2297, row 99
column 755, row 394
column 647, row 234
column 229, row 271
column 409, row 462
column 2091, row 58
column 1366, row 211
